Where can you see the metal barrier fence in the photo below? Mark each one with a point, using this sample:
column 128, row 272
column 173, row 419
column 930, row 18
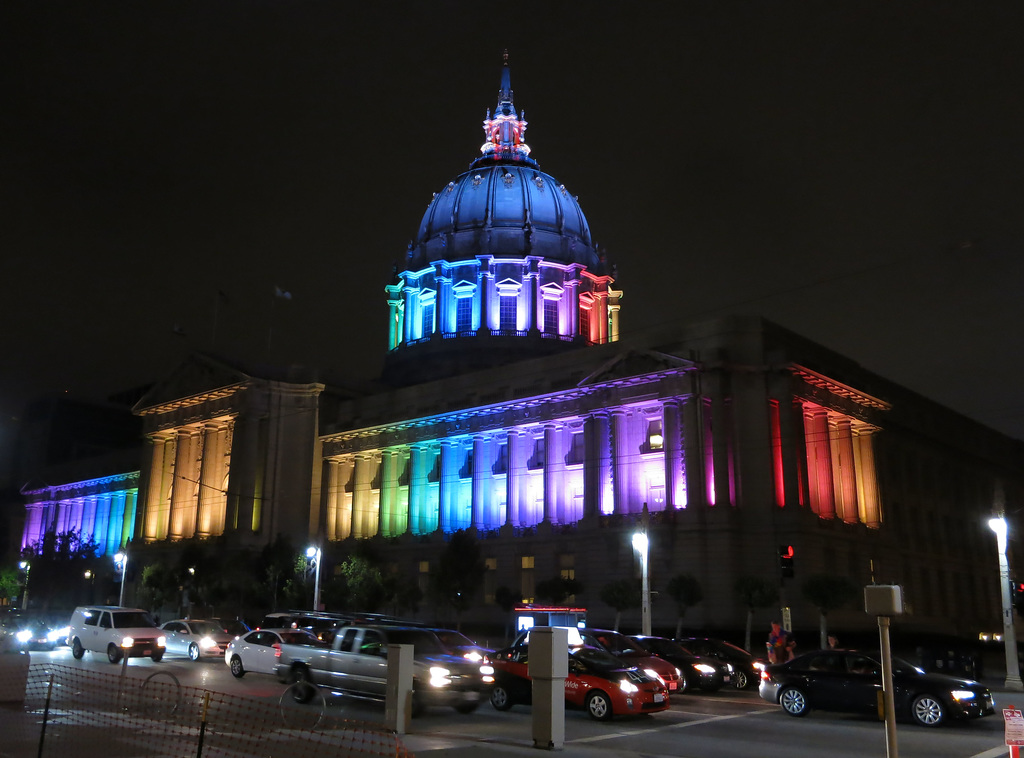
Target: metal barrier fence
column 70, row 711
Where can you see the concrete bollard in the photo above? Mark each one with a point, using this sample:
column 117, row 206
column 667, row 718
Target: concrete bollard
column 548, row 668
column 398, row 691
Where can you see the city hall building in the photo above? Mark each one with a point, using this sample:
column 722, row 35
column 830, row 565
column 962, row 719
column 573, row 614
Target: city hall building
column 511, row 406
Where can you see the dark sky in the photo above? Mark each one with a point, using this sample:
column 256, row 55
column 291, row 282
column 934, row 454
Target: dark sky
column 851, row 170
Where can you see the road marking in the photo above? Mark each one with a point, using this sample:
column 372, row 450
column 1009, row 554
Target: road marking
column 993, row 753
column 682, row 725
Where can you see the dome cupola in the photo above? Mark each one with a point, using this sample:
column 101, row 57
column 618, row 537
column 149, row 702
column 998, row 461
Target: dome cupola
column 503, row 266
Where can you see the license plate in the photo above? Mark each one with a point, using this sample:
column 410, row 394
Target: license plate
column 725, row 678
column 659, row 697
column 672, row 685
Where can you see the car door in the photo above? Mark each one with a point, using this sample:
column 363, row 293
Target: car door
column 262, row 657
column 341, row 660
column 370, row 663
column 101, row 633
column 172, row 634
column 825, row 681
column 863, row 683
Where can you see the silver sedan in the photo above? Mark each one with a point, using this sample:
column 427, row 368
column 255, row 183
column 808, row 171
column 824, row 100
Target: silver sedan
column 196, row 638
column 258, row 650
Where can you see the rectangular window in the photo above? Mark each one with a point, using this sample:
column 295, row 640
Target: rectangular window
column 585, row 323
column 464, row 314
column 526, row 579
column 428, row 319
column 490, row 578
column 550, row 316
column 507, row 312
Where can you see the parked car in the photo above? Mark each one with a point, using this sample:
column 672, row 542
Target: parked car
column 849, row 681
column 459, row 644
column 118, row 632
column 196, row 638
column 598, row 682
column 234, row 627
column 33, row 631
column 634, row 653
column 259, row 650
column 746, row 667
column 706, row 674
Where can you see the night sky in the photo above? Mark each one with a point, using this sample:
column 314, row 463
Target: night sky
column 851, row 170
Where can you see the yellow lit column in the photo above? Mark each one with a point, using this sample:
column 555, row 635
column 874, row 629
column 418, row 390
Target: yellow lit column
column 844, row 471
column 158, row 497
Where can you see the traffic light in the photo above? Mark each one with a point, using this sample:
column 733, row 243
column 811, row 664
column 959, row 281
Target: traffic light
column 786, row 560
column 1017, row 596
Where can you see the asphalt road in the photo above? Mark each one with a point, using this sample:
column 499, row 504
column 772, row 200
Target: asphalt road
column 726, row 724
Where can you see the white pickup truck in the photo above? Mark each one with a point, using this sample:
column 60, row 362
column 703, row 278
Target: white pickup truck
column 356, row 664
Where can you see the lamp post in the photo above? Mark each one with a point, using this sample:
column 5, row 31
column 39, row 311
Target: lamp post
column 121, row 561
column 313, row 554
column 25, row 566
column 1013, row 681
column 642, row 545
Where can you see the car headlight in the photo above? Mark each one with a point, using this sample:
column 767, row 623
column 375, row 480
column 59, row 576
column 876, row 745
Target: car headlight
column 161, row 642
column 23, row 636
column 628, row 687
column 959, row 695
column 127, row 642
column 704, row 668
column 487, row 670
column 654, row 675
column 439, row 676
column 473, row 656
column 758, row 665
column 56, row 635
column 207, row 642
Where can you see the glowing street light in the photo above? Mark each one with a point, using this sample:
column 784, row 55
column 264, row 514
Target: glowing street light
column 313, row 555
column 25, row 566
column 1013, row 681
column 121, row 561
column 642, row 546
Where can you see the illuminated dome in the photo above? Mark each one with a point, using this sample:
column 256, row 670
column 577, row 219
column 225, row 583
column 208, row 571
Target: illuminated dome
column 502, row 267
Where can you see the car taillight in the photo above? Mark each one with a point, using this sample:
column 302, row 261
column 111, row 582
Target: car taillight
column 277, row 650
column 764, row 675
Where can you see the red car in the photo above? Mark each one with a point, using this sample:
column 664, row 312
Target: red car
column 634, row 654
column 598, row 682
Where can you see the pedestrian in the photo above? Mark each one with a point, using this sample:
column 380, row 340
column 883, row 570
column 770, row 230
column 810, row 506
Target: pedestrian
column 833, row 642
column 781, row 645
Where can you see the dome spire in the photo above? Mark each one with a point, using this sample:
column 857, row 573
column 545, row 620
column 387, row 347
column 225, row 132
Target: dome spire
column 505, row 131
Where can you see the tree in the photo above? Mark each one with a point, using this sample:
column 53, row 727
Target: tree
column 366, row 590
column 460, row 573
column 622, row 594
column 56, row 566
column 686, row 591
column 159, row 586
column 755, row 592
column 558, row 589
column 278, row 560
column 828, row 593
column 507, row 600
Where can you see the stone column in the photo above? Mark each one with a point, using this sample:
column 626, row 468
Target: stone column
column 516, row 466
column 675, row 492
column 554, row 465
column 481, row 487
column 597, row 468
column 845, row 471
column 447, row 486
column 157, row 500
column 209, row 483
column 620, row 458
column 183, row 490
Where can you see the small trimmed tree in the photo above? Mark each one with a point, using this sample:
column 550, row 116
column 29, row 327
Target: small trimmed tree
column 755, row 592
column 622, row 594
column 828, row 593
column 686, row 591
column 558, row 589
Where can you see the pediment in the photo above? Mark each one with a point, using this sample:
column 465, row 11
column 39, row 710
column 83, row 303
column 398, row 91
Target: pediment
column 197, row 376
column 635, row 363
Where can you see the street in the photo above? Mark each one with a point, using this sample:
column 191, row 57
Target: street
column 725, row 724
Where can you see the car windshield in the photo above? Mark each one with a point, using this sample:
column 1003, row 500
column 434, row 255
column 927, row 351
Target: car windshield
column 422, row 641
column 599, row 659
column 615, row 643
column 728, row 647
column 132, row 619
column 205, row 627
column 454, row 639
column 666, row 647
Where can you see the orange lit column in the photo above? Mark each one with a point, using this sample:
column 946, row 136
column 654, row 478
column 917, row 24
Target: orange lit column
column 844, row 471
column 158, row 505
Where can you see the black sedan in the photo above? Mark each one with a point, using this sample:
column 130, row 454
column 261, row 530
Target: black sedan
column 695, row 672
column 849, row 681
column 746, row 667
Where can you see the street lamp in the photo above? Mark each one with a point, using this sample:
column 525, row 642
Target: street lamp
column 1013, row 681
column 313, row 555
column 121, row 561
column 25, row 566
column 642, row 546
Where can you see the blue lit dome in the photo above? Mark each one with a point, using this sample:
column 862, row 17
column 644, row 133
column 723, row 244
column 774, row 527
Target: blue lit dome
column 503, row 267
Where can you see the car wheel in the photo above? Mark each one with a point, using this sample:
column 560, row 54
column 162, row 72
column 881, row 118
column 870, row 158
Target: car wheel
column 683, row 685
column 793, row 702
column 501, row 698
column 928, row 710
column 77, row 651
column 599, row 706
column 303, row 688
column 740, row 680
column 157, row 656
column 193, row 651
column 467, row 707
column 237, row 669
column 113, row 653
